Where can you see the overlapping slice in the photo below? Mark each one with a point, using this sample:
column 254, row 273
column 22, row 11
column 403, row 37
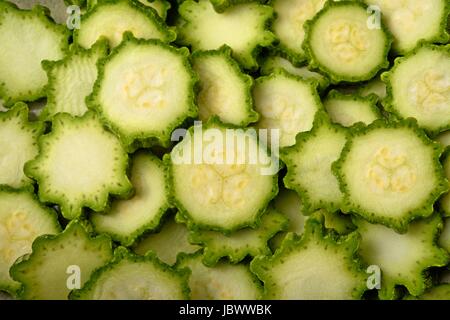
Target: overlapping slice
column 21, row 75
column 59, row 263
column 79, row 165
column 390, row 173
column 402, row 258
column 243, row 27
column 145, row 89
column 160, row 6
column 317, row 266
column 375, row 86
column 132, row 277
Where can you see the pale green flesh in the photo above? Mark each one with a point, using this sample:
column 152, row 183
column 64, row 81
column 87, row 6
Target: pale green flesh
column 444, row 138
column 348, row 112
column 444, row 239
column 375, row 86
column 161, row 6
column 440, row 292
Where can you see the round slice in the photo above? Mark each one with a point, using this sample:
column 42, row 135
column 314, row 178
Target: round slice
column 390, row 173
column 340, row 43
column 145, row 89
column 419, row 87
column 79, row 165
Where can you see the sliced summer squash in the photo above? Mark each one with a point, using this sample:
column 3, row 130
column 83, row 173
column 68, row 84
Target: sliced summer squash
column 348, row 109
column 45, row 274
column 22, row 219
column 339, row 42
column 316, row 266
column 291, row 16
column 444, row 238
column 79, row 165
column 145, row 89
column 412, row 21
column 402, row 258
column 439, row 292
column 18, row 144
column 336, row 221
column 71, row 80
column 160, row 6
column 243, row 27
column 375, row 86
column 272, row 63
column 443, row 139
column 110, row 19
column 225, row 91
column 390, row 173
column 286, row 102
column 309, row 163
column 168, row 242
column 27, row 38
column 223, row 282
column 242, row 243
column 419, row 86
column 444, row 202
column 133, row 277
column 222, row 177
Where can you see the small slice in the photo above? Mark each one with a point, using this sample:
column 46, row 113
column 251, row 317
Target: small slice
column 45, row 273
column 340, row 43
column 243, row 27
column 160, row 6
column 444, row 238
column 145, row 89
column 223, row 282
column 390, row 173
column 315, row 267
column 286, row 102
column 402, row 258
column 309, row 163
column 375, row 86
column 21, row 75
column 132, row 277
column 348, row 109
column 18, row 144
column 242, row 243
column 225, row 91
column 79, row 165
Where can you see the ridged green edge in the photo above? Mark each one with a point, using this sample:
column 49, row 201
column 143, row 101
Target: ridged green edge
column 41, row 13
column 310, row 205
column 150, row 137
column 215, row 246
column 334, row 77
column 388, row 102
column 23, row 265
column 13, row 290
column 121, row 253
column 36, row 128
column 222, row 5
column 225, row 52
column 166, row 5
column 439, row 292
column 399, row 224
column 59, row 121
column 183, row 215
column 444, row 201
column 292, row 243
column 100, row 48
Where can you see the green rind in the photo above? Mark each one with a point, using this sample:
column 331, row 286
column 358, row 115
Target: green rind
column 162, row 12
column 439, row 292
column 221, row 5
column 444, row 201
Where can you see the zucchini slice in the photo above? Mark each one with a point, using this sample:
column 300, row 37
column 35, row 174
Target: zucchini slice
column 444, row 238
column 402, row 258
column 412, row 21
column 439, row 292
column 160, row 6
column 291, row 16
column 309, row 163
column 43, row 273
column 22, row 219
column 243, row 27
column 79, row 165
column 375, row 86
column 242, row 243
column 128, row 219
column 71, row 80
column 167, row 243
column 444, row 201
column 443, row 138
column 390, row 173
column 133, row 277
column 222, row 178
column 145, row 89
column 110, row 19
column 27, row 38
column 339, row 42
column 419, row 86
column 336, row 221
column 18, row 144
column 223, row 282
column 349, row 109
column 286, row 102
column 316, row 266
column 225, row 91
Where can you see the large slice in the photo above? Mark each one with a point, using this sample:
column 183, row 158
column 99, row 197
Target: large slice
column 79, row 165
